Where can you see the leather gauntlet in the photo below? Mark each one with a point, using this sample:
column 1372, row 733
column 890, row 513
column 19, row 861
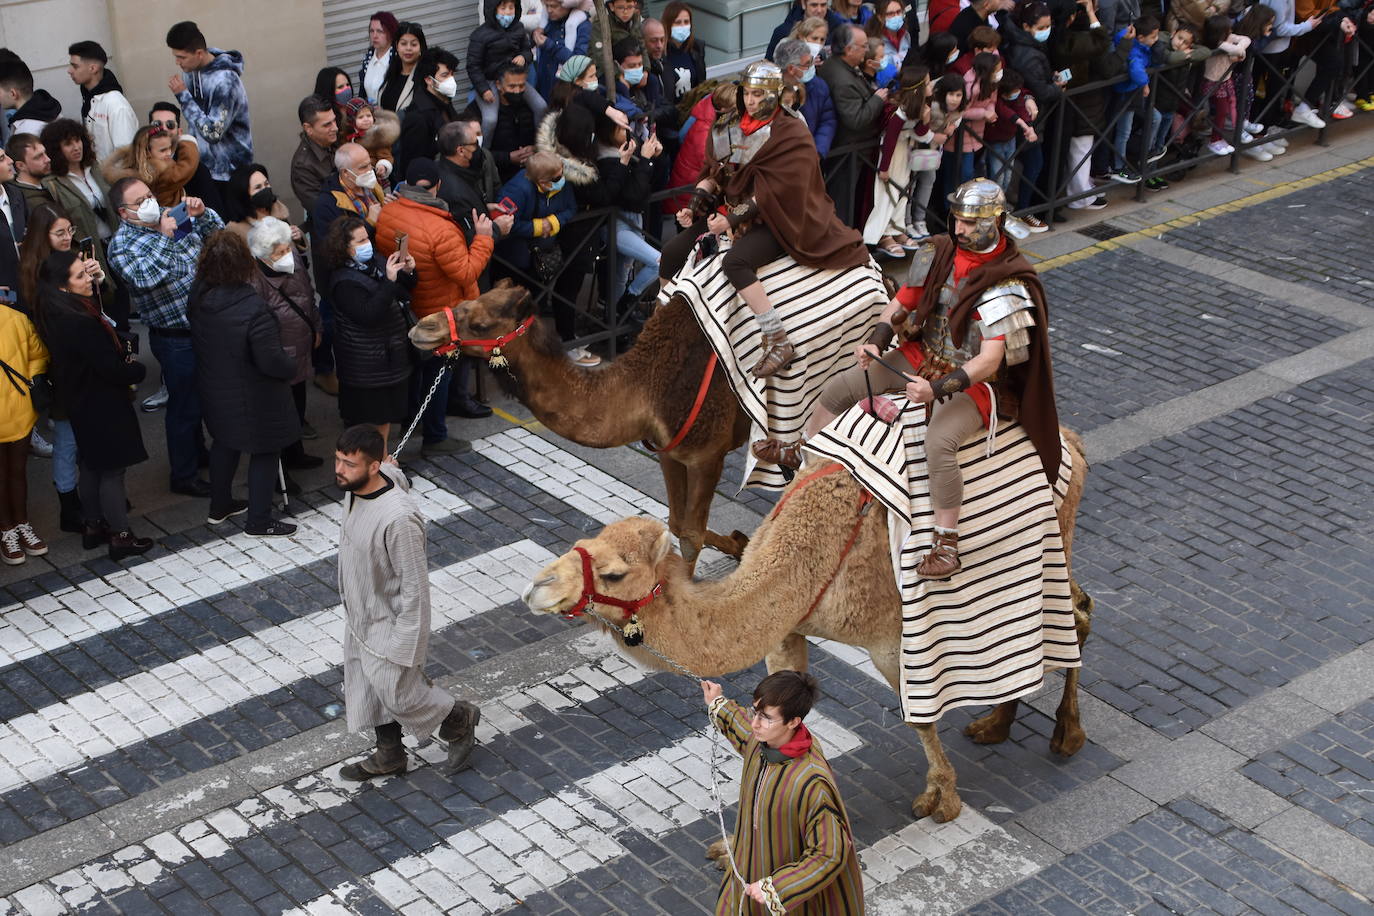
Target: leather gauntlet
column 951, row 384
column 703, row 203
column 741, row 213
column 881, row 335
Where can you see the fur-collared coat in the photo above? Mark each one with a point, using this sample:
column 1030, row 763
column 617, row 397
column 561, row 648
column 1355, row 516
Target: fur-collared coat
column 386, row 129
column 168, row 186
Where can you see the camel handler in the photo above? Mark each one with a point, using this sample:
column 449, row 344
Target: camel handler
column 792, row 840
column 761, row 182
column 973, row 324
column 384, row 583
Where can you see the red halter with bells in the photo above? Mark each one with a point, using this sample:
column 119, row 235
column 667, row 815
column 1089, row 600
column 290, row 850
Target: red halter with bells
column 491, row 346
column 631, row 631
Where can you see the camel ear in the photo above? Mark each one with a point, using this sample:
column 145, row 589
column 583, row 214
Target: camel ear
column 662, row 544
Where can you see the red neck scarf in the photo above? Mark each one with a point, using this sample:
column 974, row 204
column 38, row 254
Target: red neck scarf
column 800, row 743
column 749, row 123
column 965, row 261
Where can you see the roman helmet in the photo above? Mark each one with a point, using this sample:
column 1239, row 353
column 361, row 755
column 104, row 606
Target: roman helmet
column 984, row 202
column 765, row 75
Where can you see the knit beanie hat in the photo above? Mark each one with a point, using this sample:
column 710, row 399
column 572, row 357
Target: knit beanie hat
column 574, row 67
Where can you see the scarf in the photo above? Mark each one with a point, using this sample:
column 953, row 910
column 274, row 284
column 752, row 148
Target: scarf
column 799, row 745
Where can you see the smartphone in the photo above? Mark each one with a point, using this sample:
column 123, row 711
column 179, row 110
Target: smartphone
column 183, row 220
column 1066, row 74
column 86, row 248
column 403, row 245
column 507, row 206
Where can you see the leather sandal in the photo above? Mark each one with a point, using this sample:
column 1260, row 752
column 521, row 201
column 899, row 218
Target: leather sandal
column 942, row 561
column 777, row 353
column 775, row 451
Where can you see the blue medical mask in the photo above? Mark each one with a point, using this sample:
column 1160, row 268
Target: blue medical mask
column 592, row 86
column 810, row 74
column 681, row 33
column 633, row 76
column 505, row 19
column 894, row 23
column 1041, row 35
column 1013, row 96
column 558, row 185
column 363, row 253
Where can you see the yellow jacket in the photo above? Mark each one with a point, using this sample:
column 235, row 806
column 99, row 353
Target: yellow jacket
column 20, row 349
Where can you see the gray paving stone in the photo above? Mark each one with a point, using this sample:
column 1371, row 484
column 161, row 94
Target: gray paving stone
column 1266, row 721
column 1086, row 814
column 1324, row 847
column 1168, row 772
column 1340, row 685
column 1239, row 799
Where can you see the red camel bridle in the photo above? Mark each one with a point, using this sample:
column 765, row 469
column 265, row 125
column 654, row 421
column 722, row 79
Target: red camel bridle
column 491, row 346
column 591, row 596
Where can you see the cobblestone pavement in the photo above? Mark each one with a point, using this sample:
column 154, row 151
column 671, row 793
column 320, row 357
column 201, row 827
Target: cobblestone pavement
column 170, row 729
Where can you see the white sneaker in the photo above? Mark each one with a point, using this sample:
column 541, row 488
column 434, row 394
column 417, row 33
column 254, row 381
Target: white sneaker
column 1220, row 148
column 155, row 401
column 1343, row 111
column 1253, row 128
column 38, row 445
column 1273, row 149
column 584, row 357
column 1258, row 153
column 1304, row 114
column 919, row 231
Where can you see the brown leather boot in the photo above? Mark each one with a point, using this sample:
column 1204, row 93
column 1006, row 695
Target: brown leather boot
column 459, row 730
column 942, row 561
column 387, row 759
column 777, row 353
column 775, row 451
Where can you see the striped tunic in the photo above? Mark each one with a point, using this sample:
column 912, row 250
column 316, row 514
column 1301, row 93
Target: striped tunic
column 792, row 830
column 384, row 584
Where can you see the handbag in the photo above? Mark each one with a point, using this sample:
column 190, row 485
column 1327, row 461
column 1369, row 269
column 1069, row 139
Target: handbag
column 545, row 262
column 39, row 388
column 923, row 159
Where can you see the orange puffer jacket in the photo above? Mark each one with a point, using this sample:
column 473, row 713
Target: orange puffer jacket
column 446, row 267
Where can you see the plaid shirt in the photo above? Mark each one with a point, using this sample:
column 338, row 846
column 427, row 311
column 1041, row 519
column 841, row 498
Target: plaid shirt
column 159, row 271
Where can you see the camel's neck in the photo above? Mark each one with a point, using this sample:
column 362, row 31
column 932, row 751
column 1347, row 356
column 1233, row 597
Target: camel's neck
column 599, row 408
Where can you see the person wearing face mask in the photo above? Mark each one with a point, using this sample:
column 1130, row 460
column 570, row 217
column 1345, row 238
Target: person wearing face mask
column 796, row 13
column 435, row 86
column 499, row 40
column 252, row 199
column 508, row 127
column 243, row 373
column 793, row 56
column 283, row 282
column 352, row 190
column 685, row 59
column 890, row 27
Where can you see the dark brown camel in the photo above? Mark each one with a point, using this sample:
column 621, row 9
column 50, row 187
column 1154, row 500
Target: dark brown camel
column 646, row 394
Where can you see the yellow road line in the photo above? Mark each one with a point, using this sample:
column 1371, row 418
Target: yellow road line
column 514, row 420
column 1188, row 219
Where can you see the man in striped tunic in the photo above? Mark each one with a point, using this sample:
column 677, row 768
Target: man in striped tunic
column 384, row 583
column 792, row 841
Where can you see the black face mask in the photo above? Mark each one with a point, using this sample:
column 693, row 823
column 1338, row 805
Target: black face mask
column 263, row 200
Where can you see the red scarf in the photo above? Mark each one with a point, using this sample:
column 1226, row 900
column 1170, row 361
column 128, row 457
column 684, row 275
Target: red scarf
column 749, row 124
column 799, row 745
column 965, row 261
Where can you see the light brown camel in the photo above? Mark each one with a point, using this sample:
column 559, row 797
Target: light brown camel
column 714, row 628
column 646, row 394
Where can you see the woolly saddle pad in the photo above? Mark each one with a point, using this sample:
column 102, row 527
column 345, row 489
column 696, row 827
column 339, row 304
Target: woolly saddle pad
column 989, row 633
column 826, row 313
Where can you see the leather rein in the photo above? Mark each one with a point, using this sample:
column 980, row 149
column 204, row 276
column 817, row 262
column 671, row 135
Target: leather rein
column 490, row 346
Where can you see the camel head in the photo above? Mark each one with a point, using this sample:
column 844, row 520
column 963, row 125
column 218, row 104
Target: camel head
column 625, row 560
column 494, row 313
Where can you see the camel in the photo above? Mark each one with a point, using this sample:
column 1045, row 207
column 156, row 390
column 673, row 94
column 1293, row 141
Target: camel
column 645, row 395
column 713, row 628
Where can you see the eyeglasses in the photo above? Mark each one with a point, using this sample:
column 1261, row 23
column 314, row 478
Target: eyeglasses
column 68, row 233
column 165, row 125
column 758, row 715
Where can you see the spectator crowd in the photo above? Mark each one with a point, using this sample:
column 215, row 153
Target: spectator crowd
column 415, row 196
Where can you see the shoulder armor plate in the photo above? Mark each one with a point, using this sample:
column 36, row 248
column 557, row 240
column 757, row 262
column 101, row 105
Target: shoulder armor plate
column 997, row 302
column 921, row 261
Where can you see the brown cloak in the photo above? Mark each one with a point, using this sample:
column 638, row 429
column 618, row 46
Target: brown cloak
column 784, row 178
column 1032, row 382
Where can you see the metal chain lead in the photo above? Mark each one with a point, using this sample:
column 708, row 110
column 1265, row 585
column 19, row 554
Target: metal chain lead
column 713, row 734
column 443, row 371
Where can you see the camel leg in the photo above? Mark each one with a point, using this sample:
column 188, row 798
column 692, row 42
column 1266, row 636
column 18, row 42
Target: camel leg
column 939, row 801
column 675, row 481
column 792, row 655
column 732, row 545
column 696, row 507
column 994, row 727
column 1069, row 737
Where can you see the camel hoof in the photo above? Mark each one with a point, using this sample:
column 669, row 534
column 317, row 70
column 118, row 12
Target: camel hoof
column 936, row 805
column 1068, row 740
column 716, row 853
column 990, row 729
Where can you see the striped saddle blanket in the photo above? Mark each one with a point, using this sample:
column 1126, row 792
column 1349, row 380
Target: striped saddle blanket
column 826, row 313
column 989, row 633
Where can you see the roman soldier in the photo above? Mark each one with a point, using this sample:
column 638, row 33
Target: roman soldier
column 973, row 322
column 762, row 184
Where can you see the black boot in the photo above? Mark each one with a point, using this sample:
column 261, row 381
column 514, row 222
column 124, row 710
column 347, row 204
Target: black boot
column 461, row 403
column 93, row 534
column 127, row 544
column 459, row 730
column 69, row 517
column 389, row 758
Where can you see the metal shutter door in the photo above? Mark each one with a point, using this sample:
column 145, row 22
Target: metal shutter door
column 446, row 25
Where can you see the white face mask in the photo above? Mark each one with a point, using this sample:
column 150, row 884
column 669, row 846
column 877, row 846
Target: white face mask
column 366, row 179
column 815, row 47
column 149, row 211
column 593, row 85
column 953, row 56
column 285, row 264
column 447, row 87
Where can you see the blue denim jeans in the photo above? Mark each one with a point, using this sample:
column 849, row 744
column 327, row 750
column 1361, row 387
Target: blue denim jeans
column 434, row 424
column 64, row 470
column 185, row 441
column 1001, row 157
column 1032, row 164
column 1122, row 132
column 631, row 247
column 322, row 359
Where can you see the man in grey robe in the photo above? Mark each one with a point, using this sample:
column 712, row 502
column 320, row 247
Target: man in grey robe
column 384, row 583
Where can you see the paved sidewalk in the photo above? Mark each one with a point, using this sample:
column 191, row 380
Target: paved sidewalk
column 171, row 728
